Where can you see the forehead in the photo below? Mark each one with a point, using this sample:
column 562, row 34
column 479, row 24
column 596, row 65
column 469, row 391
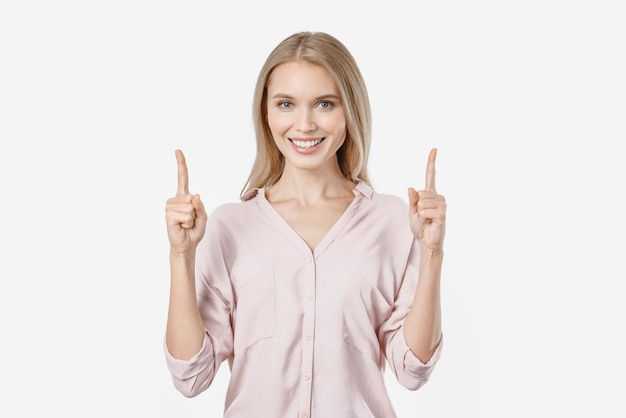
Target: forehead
column 301, row 77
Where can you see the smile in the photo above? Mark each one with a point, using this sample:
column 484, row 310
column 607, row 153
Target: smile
column 306, row 144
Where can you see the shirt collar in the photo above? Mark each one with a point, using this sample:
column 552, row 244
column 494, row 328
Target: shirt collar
column 361, row 187
column 365, row 189
column 250, row 194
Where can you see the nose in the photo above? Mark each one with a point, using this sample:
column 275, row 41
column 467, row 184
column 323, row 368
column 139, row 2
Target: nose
column 306, row 121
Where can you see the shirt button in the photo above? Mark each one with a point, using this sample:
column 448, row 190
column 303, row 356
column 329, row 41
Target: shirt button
column 304, row 415
column 310, row 260
column 307, row 376
column 309, row 297
column 307, row 337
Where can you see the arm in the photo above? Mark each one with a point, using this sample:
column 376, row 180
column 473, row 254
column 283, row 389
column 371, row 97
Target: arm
column 422, row 325
column 185, row 330
column 427, row 215
column 186, row 223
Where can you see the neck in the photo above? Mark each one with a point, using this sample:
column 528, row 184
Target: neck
column 308, row 187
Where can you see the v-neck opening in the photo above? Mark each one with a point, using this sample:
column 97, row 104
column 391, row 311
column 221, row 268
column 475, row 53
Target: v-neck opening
column 329, row 236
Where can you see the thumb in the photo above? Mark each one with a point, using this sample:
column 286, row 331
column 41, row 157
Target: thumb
column 199, row 207
column 414, row 197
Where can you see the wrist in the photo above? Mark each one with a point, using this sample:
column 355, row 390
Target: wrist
column 182, row 256
column 434, row 254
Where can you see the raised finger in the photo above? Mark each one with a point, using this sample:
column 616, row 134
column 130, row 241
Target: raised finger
column 183, row 176
column 430, row 171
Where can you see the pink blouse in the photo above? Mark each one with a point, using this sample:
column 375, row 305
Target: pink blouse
column 306, row 334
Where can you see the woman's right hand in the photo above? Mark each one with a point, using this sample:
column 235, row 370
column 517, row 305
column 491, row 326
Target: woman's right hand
column 185, row 214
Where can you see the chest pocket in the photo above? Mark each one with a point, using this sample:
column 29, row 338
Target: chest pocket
column 256, row 311
column 366, row 307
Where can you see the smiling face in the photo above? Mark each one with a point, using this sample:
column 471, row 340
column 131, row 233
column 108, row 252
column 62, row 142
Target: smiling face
column 305, row 116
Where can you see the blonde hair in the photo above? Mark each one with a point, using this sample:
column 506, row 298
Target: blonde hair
column 325, row 50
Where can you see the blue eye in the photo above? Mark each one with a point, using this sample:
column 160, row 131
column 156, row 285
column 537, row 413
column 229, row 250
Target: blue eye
column 326, row 104
column 285, row 105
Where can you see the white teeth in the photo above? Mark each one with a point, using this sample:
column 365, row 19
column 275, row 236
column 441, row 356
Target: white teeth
column 306, row 144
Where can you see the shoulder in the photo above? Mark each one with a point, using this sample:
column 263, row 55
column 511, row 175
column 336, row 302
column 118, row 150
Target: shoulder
column 234, row 212
column 381, row 201
column 382, row 210
column 389, row 210
column 230, row 212
column 389, row 201
column 386, row 216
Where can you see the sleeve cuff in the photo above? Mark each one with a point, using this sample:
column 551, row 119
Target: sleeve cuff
column 414, row 365
column 185, row 369
column 409, row 370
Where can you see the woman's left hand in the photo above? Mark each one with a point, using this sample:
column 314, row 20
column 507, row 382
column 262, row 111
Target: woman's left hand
column 427, row 210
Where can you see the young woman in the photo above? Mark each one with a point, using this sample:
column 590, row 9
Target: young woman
column 314, row 280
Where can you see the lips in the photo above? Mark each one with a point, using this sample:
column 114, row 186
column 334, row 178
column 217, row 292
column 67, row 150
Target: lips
column 306, row 144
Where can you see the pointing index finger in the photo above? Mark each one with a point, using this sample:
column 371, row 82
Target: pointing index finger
column 183, row 176
column 430, row 171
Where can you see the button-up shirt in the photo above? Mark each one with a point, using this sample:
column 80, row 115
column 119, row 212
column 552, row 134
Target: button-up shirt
column 306, row 333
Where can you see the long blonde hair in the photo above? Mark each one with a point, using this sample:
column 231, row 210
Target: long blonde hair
column 325, row 50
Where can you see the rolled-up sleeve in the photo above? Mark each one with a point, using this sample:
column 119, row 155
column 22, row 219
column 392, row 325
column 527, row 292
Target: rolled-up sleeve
column 215, row 301
column 192, row 376
column 408, row 369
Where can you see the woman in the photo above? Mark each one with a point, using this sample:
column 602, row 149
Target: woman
column 311, row 282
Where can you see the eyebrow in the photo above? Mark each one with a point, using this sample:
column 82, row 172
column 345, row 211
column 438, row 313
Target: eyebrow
column 324, row 97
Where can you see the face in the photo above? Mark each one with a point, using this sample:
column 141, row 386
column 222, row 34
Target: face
column 305, row 116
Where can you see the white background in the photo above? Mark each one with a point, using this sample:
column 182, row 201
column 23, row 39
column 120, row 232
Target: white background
column 525, row 100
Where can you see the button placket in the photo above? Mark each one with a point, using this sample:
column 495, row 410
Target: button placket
column 308, row 328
